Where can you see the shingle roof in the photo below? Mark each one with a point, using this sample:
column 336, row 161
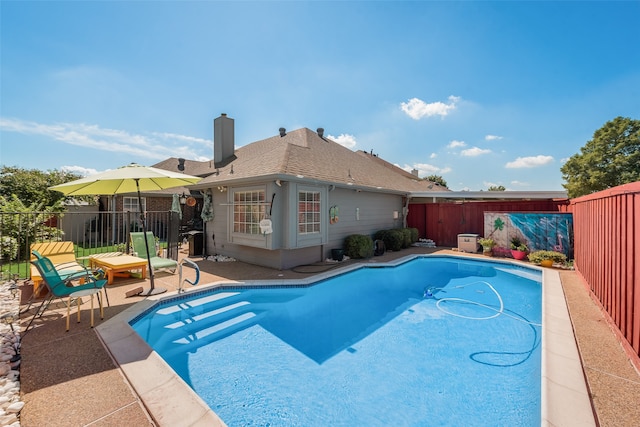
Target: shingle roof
column 303, row 153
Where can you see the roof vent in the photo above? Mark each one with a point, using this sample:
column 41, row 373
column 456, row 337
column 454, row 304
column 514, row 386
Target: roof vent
column 321, row 132
column 283, row 131
column 180, row 164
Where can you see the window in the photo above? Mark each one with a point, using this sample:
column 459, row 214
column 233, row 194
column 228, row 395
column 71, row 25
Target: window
column 130, row 204
column 308, row 212
column 248, row 209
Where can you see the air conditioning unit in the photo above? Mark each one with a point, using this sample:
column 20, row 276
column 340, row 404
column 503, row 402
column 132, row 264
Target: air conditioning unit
column 468, row 243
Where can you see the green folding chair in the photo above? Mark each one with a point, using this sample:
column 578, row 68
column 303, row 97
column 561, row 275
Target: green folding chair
column 62, row 287
column 140, row 248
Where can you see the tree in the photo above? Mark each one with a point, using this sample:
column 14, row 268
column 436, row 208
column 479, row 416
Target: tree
column 30, row 186
column 22, row 224
column 497, row 188
column 610, row 159
column 437, row 179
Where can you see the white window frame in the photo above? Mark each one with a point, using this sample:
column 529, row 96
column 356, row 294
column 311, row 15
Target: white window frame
column 309, row 212
column 314, row 236
column 130, row 204
column 238, row 225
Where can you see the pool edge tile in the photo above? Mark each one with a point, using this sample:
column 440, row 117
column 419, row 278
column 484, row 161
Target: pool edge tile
column 564, row 394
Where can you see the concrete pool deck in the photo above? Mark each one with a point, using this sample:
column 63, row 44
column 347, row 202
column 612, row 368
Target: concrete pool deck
column 71, row 379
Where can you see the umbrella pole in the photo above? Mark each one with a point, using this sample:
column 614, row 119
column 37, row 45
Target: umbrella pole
column 153, row 290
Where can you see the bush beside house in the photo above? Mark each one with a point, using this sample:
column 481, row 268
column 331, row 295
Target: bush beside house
column 358, row 246
column 397, row 238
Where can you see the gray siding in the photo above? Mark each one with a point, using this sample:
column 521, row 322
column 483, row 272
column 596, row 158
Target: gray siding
column 361, row 213
column 358, row 213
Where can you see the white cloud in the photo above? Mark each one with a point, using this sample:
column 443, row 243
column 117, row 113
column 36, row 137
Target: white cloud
column 520, row 184
column 474, row 151
column 425, row 169
column 455, row 144
column 433, row 156
column 80, row 170
column 156, row 146
column 492, row 137
column 344, row 139
column 417, row 108
column 529, row 162
column 169, row 136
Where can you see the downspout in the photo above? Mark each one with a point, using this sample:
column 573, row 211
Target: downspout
column 405, row 210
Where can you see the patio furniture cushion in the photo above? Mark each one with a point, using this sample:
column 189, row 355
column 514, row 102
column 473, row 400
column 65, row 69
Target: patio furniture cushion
column 139, row 247
column 61, row 255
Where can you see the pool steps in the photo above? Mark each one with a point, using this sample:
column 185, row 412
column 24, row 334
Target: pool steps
column 218, row 315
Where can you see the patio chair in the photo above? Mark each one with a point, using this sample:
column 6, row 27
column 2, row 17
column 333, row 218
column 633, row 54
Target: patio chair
column 62, row 287
column 157, row 262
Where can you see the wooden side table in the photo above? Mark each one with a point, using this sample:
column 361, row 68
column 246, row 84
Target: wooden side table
column 118, row 264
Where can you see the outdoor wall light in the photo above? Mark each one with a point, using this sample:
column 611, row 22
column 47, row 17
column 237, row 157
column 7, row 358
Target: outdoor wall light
column 278, row 183
column 183, row 199
column 222, row 188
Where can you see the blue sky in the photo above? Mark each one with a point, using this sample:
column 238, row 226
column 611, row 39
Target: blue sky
column 481, row 93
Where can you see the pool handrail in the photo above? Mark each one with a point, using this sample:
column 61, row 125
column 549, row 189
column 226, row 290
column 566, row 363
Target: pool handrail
column 193, row 265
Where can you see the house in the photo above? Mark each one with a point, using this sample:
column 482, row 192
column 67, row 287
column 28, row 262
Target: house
column 313, row 191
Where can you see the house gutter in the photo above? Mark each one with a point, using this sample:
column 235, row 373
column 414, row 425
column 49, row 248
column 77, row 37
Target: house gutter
column 292, row 178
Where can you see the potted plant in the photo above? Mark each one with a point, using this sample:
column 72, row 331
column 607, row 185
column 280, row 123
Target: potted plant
column 518, row 249
column 547, row 258
column 487, row 244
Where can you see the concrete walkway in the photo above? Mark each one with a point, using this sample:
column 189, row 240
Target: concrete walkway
column 69, row 379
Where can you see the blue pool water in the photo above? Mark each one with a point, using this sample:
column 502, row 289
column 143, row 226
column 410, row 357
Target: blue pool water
column 433, row 341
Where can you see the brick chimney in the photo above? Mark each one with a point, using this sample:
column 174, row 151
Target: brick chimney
column 223, row 140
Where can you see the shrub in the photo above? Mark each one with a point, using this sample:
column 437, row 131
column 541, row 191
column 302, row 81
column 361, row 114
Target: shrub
column 358, row 246
column 393, row 239
column 406, row 237
column 538, row 256
column 9, row 248
column 414, row 234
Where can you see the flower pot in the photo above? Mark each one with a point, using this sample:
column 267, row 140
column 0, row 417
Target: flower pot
column 520, row 255
column 546, row 263
column 487, row 252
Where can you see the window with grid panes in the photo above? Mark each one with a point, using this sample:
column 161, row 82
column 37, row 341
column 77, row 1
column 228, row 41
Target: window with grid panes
column 130, row 204
column 308, row 212
column 248, row 209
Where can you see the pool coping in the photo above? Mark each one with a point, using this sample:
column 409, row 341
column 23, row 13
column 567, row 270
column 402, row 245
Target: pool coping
column 170, row 401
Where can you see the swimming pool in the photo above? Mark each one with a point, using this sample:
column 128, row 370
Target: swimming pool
column 433, row 340
column 161, row 390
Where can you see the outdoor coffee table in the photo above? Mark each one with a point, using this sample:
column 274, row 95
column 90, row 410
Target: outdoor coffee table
column 119, row 264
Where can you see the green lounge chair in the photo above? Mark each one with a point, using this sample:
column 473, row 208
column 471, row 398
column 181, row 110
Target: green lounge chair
column 139, row 247
column 62, row 287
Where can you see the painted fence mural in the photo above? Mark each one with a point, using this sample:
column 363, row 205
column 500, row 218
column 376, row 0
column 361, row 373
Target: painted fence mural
column 539, row 231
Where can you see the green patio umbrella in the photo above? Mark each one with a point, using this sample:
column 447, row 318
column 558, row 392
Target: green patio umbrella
column 129, row 179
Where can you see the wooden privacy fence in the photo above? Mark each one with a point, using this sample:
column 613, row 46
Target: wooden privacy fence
column 442, row 222
column 607, row 253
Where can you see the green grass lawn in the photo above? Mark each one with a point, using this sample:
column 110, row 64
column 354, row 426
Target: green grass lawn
column 23, row 268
